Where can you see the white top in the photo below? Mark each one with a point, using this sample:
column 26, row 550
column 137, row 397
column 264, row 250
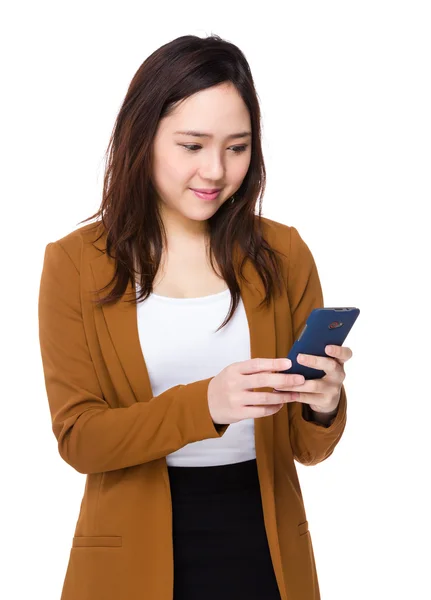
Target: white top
column 179, row 343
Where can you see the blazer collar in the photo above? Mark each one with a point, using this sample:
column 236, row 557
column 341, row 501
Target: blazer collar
column 121, row 318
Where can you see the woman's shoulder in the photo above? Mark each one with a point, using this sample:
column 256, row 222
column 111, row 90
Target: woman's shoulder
column 87, row 241
column 275, row 227
column 86, row 234
column 279, row 235
column 287, row 240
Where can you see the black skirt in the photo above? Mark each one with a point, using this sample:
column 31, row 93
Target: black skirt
column 220, row 544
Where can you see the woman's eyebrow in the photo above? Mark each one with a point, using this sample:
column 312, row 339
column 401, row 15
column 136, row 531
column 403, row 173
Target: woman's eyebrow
column 241, row 134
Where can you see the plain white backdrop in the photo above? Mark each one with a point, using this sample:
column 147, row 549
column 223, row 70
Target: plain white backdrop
column 345, row 94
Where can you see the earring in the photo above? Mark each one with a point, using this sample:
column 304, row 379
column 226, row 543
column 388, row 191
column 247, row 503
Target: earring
column 232, row 200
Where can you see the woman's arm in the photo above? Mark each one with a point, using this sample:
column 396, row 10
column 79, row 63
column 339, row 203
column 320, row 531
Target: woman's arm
column 311, row 439
column 92, row 436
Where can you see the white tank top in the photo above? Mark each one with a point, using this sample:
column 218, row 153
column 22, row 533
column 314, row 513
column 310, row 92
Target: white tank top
column 180, row 346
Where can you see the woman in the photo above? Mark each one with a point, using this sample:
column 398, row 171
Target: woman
column 191, row 489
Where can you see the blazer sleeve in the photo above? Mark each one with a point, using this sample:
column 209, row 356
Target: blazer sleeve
column 92, row 436
column 311, row 442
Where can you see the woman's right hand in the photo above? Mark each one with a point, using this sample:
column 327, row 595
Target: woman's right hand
column 230, row 399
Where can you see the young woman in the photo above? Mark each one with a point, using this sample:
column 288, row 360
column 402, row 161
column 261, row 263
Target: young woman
column 170, row 411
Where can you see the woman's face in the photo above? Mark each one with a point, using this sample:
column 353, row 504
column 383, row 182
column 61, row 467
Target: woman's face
column 217, row 160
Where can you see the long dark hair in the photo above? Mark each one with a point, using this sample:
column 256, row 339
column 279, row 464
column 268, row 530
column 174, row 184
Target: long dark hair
column 129, row 212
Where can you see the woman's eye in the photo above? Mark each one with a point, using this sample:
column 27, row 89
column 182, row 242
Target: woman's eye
column 194, row 147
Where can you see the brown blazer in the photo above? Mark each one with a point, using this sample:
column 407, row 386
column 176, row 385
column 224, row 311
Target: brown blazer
column 111, row 428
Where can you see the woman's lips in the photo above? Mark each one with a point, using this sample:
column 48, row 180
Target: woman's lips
column 205, row 196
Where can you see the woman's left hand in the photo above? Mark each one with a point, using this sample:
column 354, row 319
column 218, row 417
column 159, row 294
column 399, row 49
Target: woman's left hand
column 323, row 395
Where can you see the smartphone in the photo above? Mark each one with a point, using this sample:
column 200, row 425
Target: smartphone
column 324, row 326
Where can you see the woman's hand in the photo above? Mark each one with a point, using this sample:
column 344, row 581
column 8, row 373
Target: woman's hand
column 323, row 395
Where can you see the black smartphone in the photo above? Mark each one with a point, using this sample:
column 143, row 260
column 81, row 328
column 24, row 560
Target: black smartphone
column 324, row 326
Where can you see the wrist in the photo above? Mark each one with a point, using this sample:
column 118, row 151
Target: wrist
column 323, row 417
column 319, row 411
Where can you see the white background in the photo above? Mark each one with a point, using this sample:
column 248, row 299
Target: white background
column 345, row 95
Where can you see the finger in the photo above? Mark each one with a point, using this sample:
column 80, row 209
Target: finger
column 256, row 365
column 282, row 380
column 314, row 386
column 305, row 398
column 265, row 398
column 310, row 386
column 329, row 365
column 340, row 353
